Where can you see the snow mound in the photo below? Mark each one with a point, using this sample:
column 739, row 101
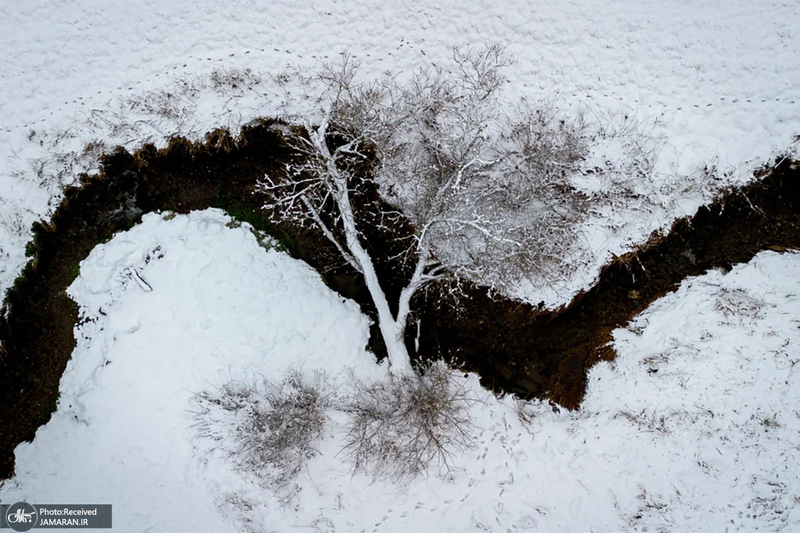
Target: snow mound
column 694, row 426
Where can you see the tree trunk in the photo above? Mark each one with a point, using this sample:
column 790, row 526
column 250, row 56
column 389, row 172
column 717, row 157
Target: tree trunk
column 392, row 331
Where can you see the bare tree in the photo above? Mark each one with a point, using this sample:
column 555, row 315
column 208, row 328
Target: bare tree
column 472, row 182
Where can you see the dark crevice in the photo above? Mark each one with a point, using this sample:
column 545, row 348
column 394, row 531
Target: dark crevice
column 517, row 347
column 514, row 346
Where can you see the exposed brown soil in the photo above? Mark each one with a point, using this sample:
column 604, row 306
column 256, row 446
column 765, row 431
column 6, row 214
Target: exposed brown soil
column 515, row 347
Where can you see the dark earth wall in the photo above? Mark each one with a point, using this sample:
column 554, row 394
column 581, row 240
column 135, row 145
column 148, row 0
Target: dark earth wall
column 515, row 347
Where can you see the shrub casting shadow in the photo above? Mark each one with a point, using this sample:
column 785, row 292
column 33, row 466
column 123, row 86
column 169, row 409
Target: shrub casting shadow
column 515, row 347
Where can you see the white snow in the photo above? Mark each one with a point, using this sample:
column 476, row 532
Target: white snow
column 711, row 84
column 695, row 426
column 221, row 307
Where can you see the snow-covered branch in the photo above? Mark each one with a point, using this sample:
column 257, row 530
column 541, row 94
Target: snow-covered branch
column 490, row 198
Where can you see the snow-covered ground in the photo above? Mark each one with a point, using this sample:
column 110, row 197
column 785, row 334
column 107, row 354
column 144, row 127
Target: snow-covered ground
column 705, row 84
column 694, row 427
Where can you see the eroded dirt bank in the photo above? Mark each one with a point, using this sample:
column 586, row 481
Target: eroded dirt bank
column 547, row 354
column 515, row 347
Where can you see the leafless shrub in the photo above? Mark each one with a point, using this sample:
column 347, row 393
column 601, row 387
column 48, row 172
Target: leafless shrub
column 620, row 162
column 539, row 154
column 480, row 69
column 399, row 428
column 268, row 429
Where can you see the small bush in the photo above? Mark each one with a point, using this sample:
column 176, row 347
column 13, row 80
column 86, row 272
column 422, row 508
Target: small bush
column 401, row 427
column 273, row 428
